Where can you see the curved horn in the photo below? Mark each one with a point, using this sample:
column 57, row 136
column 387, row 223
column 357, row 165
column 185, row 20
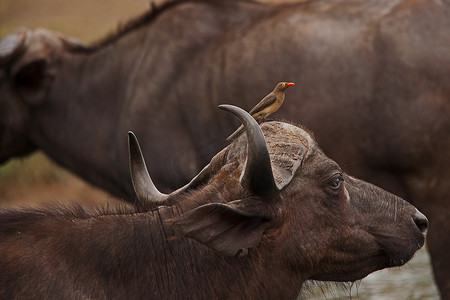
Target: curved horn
column 257, row 176
column 143, row 185
column 12, row 45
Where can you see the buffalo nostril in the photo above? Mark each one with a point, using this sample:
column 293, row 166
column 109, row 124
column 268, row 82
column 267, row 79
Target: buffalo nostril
column 421, row 222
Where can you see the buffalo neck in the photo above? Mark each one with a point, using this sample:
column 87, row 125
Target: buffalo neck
column 77, row 126
column 137, row 255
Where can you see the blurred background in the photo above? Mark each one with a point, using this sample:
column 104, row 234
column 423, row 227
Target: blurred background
column 34, row 179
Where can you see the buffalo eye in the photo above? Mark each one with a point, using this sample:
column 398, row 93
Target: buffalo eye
column 336, row 182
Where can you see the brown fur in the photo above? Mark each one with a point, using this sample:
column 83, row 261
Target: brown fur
column 217, row 241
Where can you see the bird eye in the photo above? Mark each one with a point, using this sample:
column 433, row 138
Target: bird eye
column 284, row 84
column 336, row 182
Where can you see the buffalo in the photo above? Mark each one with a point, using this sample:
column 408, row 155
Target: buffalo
column 372, row 81
column 255, row 223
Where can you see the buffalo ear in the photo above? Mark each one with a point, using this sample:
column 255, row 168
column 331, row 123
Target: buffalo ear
column 231, row 229
column 286, row 158
column 12, row 46
column 33, row 80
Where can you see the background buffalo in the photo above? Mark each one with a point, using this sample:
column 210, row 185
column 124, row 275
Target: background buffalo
column 69, row 32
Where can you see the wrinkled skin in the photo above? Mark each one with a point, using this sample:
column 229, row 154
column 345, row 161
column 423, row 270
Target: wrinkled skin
column 259, row 247
column 372, row 82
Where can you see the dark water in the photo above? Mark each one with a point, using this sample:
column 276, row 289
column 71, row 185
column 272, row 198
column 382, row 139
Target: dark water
column 413, row 281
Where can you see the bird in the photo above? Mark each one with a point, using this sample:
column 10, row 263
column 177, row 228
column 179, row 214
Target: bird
column 267, row 106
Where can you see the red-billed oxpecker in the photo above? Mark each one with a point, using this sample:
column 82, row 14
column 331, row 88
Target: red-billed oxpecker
column 267, row 106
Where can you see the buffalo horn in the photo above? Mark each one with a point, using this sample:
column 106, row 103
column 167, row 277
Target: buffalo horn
column 257, row 176
column 12, row 45
column 143, row 185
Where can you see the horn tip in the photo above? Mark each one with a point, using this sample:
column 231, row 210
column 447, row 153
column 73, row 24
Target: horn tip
column 132, row 139
column 232, row 108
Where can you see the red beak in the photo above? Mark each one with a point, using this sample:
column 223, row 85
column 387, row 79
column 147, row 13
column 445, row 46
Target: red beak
column 290, row 84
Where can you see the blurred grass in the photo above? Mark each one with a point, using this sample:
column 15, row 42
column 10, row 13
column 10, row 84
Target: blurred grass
column 34, row 169
column 86, row 20
column 36, row 180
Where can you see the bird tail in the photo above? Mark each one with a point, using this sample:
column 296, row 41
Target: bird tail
column 235, row 134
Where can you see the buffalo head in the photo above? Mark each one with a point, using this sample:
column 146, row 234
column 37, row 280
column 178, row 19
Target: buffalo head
column 28, row 64
column 273, row 194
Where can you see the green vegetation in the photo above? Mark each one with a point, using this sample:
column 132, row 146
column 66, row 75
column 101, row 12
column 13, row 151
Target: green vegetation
column 34, row 169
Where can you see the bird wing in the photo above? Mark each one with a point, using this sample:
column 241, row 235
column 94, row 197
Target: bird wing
column 265, row 102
